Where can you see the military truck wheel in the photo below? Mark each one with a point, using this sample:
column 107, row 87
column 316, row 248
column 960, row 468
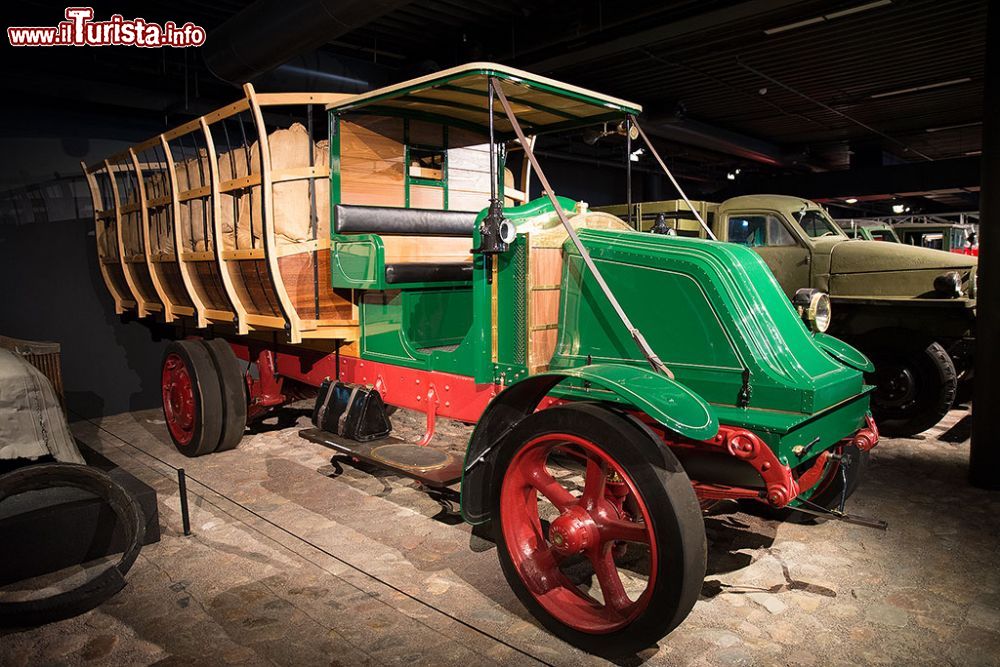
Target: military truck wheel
column 558, row 548
column 192, row 399
column 838, row 484
column 915, row 387
column 234, row 393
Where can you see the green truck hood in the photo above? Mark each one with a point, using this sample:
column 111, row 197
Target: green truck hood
column 857, row 256
column 710, row 310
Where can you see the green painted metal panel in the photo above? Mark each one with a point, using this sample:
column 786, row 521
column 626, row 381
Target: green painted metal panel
column 709, row 310
column 665, row 400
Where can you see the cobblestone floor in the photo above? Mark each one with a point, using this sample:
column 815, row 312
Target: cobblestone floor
column 296, row 560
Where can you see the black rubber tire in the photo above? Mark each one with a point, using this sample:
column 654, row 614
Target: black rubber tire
column 935, row 381
column 109, row 582
column 829, row 494
column 234, row 393
column 207, row 397
column 675, row 515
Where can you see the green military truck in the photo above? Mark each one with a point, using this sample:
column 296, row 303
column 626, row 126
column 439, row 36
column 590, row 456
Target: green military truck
column 912, row 310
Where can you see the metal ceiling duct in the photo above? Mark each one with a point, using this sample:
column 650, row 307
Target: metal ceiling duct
column 268, row 33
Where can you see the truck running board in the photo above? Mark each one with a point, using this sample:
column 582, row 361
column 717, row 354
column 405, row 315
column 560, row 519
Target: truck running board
column 429, row 466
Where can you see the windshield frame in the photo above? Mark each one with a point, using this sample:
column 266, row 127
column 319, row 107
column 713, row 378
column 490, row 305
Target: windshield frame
column 798, row 215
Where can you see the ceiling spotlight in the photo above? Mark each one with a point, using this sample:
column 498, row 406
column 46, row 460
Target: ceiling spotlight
column 851, row 200
column 731, row 176
column 898, row 208
column 634, row 156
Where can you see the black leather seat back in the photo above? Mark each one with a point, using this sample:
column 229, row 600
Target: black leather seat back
column 390, row 221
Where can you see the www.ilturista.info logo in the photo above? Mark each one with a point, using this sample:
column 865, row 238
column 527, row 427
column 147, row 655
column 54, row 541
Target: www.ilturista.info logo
column 79, row 29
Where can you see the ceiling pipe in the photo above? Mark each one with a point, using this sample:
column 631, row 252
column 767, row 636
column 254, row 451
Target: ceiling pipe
column 269, row 33
column 688, row 131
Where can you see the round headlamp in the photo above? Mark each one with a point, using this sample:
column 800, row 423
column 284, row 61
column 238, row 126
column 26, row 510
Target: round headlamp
column 814, row 308
column 949, row 284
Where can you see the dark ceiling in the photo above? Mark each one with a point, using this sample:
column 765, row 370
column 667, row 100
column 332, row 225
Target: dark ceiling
column 785, row 91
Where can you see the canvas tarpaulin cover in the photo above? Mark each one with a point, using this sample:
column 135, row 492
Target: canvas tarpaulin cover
column 32, row 423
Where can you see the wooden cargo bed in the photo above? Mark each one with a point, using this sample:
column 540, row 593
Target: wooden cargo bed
column 208, row 222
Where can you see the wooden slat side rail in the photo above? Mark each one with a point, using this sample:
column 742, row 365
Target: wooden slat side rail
column 227, row 111
column 103, row 259
column 267, row 220
column 126, row 269
column 277, row 176
column 199, row 308
column 154, row 276
column 239, row 309
column 276, row 99
column 245, row 253
column 194, row 193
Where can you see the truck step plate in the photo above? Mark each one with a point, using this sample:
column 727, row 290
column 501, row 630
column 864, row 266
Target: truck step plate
column 427, row 465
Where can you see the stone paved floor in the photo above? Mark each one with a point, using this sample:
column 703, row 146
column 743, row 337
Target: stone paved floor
column 297, row 561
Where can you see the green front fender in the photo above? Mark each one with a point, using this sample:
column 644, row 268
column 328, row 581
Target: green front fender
column 665, row 400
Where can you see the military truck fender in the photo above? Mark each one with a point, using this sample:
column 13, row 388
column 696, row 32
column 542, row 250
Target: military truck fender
column 665, row 400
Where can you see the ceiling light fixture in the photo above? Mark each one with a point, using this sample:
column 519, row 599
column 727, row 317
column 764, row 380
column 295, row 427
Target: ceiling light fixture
column 851, row 200
column 897, row 208
column 828, row 17
column 915, row 89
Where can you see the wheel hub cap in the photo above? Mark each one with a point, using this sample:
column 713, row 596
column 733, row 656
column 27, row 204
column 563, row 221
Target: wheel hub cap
column 178, row 399
column 573, row 532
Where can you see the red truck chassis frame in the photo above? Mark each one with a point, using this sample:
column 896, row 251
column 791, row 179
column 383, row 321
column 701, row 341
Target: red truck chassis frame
column 460, row 398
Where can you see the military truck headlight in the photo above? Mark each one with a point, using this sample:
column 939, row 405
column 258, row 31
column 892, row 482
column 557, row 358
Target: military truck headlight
column 814, row 308
column 949, row 284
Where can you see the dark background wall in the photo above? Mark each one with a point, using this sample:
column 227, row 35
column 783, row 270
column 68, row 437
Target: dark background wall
column 52, row 290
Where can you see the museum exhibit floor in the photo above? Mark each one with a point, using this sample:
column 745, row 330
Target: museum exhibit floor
column 296, row 559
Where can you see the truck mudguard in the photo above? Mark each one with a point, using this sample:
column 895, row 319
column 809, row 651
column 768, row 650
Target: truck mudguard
column 667, row 401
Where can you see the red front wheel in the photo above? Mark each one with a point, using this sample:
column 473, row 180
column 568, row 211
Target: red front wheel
column 598, row 529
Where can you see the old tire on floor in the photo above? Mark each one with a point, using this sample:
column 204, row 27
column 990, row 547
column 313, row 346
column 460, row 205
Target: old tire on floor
column 557, row 547
column 192, row 399
column 915, row 387
column 234, row 393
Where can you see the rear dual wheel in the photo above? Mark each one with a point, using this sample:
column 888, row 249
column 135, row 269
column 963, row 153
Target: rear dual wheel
column 613, row 561
column 204, row 400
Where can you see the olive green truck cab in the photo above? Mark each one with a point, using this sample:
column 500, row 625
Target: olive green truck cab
column 912, row 310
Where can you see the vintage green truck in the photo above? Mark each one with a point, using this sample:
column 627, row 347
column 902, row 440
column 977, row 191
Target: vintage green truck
column 912, row 310
column 620, row 382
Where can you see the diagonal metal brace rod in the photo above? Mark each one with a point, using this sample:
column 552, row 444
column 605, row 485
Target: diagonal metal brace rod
column 640, row 340
column 673, row 180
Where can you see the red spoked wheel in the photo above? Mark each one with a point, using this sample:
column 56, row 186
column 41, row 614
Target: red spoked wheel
column 598, row 529
column 192, row 399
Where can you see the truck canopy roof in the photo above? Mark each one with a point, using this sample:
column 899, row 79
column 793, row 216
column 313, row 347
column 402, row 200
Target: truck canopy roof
column 780, row 202
column 458, row 96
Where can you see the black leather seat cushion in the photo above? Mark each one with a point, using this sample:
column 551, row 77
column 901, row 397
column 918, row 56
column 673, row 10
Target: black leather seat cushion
column 402, row 221
column 427, row 272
